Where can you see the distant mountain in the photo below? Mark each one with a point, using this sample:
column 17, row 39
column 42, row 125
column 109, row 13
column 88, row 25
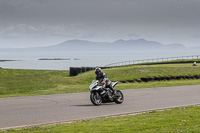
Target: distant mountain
column 119, row 45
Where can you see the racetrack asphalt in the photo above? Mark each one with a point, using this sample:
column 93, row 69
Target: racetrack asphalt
column 46, row 109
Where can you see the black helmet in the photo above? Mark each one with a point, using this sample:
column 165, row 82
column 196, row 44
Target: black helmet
column 98, row 71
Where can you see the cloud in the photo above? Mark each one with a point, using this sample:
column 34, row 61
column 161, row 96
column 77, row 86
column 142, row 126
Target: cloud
column 196, row 34
column 166, row 20
column 77, row 30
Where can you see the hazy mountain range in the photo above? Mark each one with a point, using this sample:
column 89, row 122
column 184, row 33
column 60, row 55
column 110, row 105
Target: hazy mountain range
column 119, row 45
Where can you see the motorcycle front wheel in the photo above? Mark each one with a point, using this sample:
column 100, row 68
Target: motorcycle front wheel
column 119, row 98
column 95, row 98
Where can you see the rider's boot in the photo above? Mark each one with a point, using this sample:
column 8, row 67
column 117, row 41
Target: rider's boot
column 113, row 90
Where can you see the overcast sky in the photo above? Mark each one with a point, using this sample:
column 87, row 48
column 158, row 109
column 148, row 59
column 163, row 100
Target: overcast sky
column 30, row 23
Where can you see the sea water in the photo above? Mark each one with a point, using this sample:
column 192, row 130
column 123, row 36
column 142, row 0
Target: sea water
column 26, row 60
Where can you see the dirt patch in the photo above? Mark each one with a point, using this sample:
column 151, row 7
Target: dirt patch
column 143, row 70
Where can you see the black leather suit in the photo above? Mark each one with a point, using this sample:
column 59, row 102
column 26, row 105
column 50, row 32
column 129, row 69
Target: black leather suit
column 107, row 83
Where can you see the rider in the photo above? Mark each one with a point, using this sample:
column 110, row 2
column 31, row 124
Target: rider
column 195, row 63
column 102, row 78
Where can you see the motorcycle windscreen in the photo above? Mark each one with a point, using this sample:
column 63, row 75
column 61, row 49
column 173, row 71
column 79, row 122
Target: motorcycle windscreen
column 114, row 83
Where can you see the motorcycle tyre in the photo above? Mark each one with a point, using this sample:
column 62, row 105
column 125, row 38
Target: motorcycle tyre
column 116, row 100
column 92, row 95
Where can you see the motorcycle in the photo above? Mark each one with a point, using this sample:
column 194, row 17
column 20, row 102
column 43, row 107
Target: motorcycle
column 99, row 95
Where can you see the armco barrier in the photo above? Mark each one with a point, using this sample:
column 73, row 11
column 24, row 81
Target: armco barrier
column 156, row 60
column 76, row 70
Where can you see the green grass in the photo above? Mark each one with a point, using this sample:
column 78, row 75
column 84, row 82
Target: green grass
column 15, row 82
column 139, row 71
column 185, row 119
column 29, row 82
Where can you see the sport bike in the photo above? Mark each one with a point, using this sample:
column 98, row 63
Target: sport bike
column 99, row 95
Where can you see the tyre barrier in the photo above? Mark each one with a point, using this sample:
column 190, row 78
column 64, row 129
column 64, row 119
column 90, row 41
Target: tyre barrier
column 130, row 81
column 196, row 76
column 156, row 78
column 144, row 79
column 76, row 70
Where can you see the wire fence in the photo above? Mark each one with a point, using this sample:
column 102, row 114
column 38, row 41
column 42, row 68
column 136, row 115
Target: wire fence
column 152, row 60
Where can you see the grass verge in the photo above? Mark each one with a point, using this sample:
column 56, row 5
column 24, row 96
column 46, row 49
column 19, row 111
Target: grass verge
column 15, row 82
column 184, row 119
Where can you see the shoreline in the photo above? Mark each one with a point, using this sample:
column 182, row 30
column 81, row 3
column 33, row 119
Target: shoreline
column 8, row 60
column 59, row 59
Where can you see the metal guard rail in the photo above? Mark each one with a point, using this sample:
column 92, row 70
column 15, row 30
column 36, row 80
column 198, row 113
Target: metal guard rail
column 152, row 60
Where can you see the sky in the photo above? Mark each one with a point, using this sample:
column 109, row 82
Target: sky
column 38, row 23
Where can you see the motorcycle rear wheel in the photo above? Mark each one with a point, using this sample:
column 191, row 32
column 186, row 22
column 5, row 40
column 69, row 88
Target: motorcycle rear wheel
column 119, row 98
column 95, row 98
